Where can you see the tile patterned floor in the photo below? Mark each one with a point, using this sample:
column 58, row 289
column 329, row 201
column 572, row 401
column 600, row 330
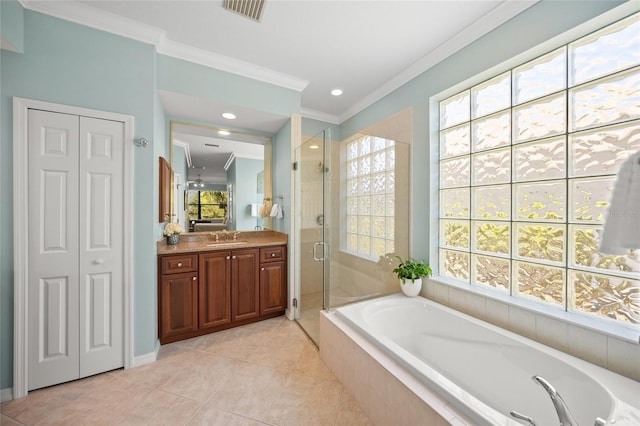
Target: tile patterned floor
column 267, row 373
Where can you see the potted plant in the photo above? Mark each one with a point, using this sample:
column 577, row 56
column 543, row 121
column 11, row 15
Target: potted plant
column 172, row 231
column 410, row 272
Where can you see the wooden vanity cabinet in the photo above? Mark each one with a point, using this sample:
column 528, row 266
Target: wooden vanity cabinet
column 214, row 289
column 177, row 301
column 273, row 279
column 211, row 291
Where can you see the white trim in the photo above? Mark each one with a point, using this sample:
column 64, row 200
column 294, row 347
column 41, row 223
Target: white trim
column 477, row 29
column 21, row 230
column 148, row 358
column 187, row 152
column 320, row 116
column 6, row 394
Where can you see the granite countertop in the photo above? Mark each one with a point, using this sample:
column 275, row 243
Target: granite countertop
column 205, row 241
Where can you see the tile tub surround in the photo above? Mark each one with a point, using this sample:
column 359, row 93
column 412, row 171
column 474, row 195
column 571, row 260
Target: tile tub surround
column 387, row 393
column 603, row 350
column 199, row 241
column 265, row 373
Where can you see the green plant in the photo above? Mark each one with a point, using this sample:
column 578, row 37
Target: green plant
column 411, row 269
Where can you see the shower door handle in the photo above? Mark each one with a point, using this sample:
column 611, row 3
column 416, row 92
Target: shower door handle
column 315, row 251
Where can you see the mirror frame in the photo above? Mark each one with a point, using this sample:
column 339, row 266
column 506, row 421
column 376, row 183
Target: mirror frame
column 268, row 172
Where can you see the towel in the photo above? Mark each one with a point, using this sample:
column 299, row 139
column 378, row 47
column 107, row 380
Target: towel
column 621, row 231
column 276, row 211
column 254, row 209
column 265, row 210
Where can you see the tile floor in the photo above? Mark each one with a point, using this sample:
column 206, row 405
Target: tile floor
column 267, row 373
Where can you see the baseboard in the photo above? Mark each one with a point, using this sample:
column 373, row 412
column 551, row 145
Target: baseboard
column 6, row 395
column 147, row 358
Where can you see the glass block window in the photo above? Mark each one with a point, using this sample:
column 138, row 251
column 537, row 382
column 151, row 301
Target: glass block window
column 370, row 183
column 527, row 164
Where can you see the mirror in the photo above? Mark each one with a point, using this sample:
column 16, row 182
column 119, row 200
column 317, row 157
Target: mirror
column 222, row 178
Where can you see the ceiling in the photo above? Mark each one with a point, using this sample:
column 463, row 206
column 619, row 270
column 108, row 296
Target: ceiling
column 366, row 48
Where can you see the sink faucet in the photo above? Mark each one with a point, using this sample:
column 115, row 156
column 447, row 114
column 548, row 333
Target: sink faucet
column 564, row 415
column 215, row 236
column 235, row 235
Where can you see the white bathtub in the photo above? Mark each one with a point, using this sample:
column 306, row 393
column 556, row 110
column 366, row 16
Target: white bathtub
column 483, row 372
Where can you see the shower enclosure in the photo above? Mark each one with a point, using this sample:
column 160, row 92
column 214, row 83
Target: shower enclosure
column 352, row 217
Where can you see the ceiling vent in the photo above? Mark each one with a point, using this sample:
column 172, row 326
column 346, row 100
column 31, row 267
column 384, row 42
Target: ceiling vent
column 251, row 9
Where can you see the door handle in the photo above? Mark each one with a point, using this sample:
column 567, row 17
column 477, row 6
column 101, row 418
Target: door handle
column 315, row 251
column 98, row 262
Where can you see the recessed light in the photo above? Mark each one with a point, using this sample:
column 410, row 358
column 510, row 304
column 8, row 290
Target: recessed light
column 336, row 92
column 229, row 115
column 313, row 147
column 224, row 132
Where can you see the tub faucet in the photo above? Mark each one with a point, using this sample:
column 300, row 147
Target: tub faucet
column 564, row 415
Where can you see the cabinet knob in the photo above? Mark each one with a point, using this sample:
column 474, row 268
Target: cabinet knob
column 233, row 257
column 179, row 264
column 228, row 257
column 262, row 269
column 273, row 254
column 194, row 278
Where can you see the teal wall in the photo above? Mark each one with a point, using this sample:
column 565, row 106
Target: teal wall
column 534, row 26
column 11, row 24
column 243, row 174
column 281, row 175
column 70, row 64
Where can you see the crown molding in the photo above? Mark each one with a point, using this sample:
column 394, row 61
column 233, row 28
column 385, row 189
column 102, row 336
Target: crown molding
column 319, row 115
column 82, row 14
column 187, row 152
column 482, row 26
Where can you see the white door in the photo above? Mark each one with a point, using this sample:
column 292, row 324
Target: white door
column 75, row 247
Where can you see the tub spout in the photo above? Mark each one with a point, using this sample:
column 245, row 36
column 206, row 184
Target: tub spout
column 564, row 415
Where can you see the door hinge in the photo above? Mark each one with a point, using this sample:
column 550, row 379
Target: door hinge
column 295, row 165
column 295, row 302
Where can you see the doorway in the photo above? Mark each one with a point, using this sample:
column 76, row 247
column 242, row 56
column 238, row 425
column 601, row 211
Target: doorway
column 312, row 185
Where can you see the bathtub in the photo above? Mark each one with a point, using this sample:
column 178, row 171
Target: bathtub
column 480, row 372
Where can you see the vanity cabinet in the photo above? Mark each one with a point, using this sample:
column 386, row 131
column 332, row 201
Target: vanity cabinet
column 177, row 295
column 210, row 291
column 273, row 279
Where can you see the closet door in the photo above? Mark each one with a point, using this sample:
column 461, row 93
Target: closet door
column 75, row 247
column 101, row 245
column 53, row 248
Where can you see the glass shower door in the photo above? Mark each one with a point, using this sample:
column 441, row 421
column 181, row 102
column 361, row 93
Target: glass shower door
column 311, row 189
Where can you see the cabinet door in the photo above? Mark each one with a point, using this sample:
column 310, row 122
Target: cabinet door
column 178, row 304
column 214, row 292
column 273, row 287
column 245, row 294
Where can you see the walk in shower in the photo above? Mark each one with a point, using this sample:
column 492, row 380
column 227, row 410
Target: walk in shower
column 352, row 216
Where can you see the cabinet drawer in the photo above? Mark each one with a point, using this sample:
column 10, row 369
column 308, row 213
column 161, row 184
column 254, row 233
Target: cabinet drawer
column 272, row 254
column 179, row 264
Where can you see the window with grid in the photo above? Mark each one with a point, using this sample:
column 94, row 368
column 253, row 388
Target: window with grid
column 370, row 197
column 527, row 164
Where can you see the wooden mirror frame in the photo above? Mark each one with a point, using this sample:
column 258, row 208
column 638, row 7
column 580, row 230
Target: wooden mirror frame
column 165, row 191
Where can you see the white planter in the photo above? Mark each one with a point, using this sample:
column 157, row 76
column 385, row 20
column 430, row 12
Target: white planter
column 411, row 289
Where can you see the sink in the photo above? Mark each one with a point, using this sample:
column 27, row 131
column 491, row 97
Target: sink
column 226, row 243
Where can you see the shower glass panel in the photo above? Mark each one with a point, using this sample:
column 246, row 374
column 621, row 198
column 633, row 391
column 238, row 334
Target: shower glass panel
column 312, row 208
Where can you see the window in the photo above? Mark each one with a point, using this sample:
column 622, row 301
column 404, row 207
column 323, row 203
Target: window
column 207, row 204
column 370, row 197
column 527, row 163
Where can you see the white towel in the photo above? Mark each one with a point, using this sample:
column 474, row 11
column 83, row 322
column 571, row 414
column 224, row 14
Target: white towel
column 274, row 210
column 279, row 212
column 621, row 230
column 254, row 209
